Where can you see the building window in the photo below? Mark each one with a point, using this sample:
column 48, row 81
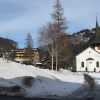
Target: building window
column 82, row 64
column 97, row 64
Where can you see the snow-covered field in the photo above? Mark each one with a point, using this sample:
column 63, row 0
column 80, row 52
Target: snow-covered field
column 29, row 81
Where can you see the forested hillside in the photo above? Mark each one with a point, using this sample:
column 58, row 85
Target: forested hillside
column 6, row 44
column 76, row 43
column 81, row 44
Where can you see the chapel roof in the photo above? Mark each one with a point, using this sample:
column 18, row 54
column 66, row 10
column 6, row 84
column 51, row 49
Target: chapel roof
column 97, row 34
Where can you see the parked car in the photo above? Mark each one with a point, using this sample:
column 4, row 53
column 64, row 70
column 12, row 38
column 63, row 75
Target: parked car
column 30, row 63
column 39, row 65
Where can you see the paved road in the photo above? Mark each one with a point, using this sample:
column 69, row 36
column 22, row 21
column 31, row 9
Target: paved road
column 5, row 97
column 88, row 91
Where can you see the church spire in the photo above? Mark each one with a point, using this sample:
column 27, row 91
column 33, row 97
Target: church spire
column 96, row 20
column 97, row 34
column 97, row 27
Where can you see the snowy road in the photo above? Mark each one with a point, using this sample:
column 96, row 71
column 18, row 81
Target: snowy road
column 88, row 91
column 21, row 98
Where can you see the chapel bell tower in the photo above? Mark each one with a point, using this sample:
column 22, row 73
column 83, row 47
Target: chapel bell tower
column 96, row 41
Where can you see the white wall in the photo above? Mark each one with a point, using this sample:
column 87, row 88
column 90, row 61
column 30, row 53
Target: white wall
column 90, row 64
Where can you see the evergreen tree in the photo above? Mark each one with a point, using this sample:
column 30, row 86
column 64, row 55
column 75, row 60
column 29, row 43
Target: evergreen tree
column 29, row 51
column 59, row 21
column 59, row 27
column 52, row 34
column 13, row 55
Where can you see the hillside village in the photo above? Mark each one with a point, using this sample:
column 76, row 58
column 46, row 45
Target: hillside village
column 84, row 35
column 25, row 81
column 78, row 42
column 56, row 49
column 41, row 60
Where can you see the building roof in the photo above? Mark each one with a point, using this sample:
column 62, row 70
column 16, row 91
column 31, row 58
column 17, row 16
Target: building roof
column 21, row 50
column 97, row 34
column 86, row 49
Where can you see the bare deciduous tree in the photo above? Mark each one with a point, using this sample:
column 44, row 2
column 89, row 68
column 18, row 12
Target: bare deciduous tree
column 47, row 37
column 51, row 34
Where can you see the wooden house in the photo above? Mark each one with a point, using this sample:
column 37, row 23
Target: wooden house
column 47, row 64
column 18, row 55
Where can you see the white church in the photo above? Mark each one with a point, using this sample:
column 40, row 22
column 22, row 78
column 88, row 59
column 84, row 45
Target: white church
column 89, row 59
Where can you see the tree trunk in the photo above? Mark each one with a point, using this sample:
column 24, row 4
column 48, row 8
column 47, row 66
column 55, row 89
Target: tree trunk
column 52, row 62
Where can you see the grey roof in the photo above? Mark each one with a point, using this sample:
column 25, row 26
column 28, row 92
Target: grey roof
column 86, row 49
column 97, row 35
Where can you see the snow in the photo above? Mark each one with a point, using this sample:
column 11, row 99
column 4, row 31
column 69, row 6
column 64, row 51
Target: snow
column 96, row 77
column 36, row 82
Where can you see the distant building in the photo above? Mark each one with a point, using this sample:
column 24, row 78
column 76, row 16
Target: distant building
column 47, row 63
column 92, row 31
column 1, row 54
column 89, row 59
column 18, row 55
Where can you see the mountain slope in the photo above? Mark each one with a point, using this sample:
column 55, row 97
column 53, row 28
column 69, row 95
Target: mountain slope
column 6, row 45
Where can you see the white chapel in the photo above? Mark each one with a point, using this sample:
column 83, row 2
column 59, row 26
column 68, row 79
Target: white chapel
column 89, row 59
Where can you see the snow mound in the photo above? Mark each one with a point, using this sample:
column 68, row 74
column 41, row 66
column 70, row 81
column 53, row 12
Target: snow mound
column 29, row 81
column 64, row 71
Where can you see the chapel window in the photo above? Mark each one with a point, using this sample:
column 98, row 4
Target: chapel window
column 82, row 64
column 97, row 64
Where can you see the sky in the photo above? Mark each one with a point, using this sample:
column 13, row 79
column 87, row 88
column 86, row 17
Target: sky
column 20, row 17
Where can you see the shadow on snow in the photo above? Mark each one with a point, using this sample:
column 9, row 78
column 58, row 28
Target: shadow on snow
column 15, row 89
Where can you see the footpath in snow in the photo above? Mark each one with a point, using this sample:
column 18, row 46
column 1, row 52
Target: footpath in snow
column 29, row 81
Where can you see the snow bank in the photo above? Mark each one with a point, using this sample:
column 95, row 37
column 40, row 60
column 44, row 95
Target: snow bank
column 35, row 82
column 95, row 76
